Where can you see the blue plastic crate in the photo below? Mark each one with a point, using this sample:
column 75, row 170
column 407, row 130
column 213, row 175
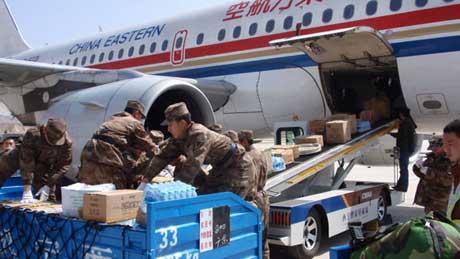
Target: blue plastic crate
column 173, row 231
column 340, row 252
column 11, row 189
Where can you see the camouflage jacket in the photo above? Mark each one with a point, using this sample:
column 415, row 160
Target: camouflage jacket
column 38, row 157
column 261, row 165
column 434, row 187
column 118, row 142
column 200, row 146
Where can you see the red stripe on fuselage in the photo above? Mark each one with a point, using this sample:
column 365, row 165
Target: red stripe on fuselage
column 439, row 14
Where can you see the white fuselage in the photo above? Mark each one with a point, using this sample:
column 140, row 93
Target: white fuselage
column 230, row 42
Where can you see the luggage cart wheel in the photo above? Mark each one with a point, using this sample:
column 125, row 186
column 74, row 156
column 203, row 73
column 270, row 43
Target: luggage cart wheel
column 313, row 238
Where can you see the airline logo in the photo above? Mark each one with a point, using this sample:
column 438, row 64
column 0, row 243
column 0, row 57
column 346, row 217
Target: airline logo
column 117, row 39
column 257, row 7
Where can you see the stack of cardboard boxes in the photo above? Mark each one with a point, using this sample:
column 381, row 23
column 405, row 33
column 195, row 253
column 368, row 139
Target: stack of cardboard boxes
column 288, row 152
column 337, row 129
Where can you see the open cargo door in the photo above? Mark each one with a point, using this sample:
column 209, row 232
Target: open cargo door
column 361, row 46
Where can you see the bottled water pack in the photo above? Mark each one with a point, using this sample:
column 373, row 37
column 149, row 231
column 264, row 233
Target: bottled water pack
column 167, row 191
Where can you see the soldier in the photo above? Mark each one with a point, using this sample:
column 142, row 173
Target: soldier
column 451, row 145
column 435, row 183
column 246, row 139
column 111, row 154
column 232, row 168
column 43, row 158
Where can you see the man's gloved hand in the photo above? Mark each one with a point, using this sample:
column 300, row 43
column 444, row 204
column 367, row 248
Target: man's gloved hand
column 141, row 186
column 43, row 193
column 27, row 197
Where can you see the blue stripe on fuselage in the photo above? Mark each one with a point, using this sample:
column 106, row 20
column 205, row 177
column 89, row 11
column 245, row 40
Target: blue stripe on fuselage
column 401, row 49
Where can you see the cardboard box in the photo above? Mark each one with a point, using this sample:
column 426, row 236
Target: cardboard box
column 368, row 115
column 314, row 139
column 72, row 197
column 286, row 154
column 317, row 127
column 294, row 148
column 338, row 132
column 111, row 206
column 351, row 118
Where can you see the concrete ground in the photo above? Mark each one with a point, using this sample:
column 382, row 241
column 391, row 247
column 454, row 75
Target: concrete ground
column 399, row 213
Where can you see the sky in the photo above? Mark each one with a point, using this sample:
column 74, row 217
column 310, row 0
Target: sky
column 50, row 22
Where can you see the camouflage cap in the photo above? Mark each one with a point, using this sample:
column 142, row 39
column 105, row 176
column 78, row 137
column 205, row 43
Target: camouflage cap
column 216, row 128
column 137, row 106
column 55, row 131
column 156, row 136
column 246, row 134
column 175, row 111
column 233, row 135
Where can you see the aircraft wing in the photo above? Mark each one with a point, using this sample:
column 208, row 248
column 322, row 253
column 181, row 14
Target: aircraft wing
column 15, row 73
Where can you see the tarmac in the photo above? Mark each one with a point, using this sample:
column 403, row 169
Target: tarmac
column 399, row 213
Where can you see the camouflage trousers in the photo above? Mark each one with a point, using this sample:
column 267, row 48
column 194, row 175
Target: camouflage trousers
column 263, row 204
column 94, row 173
column 237, row 177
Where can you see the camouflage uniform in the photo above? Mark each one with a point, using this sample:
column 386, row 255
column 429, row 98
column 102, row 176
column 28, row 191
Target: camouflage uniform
column 111, row 154
column 233, row 135
column 44, row 156
column 9, row 164
column 232, row 168
column 217, row 128
column 434, row 187
column 262, row 199
column 143, row 161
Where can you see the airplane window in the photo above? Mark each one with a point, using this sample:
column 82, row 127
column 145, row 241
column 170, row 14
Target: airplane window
column 153, row 46
column 67, row 62
column 288, row 22
column 237, row 32
column 307, row 18
column 101, row 57
column 164, row 46
column 371, row 8
column 91, row 60
column 83, row 61
column 327, row 15
column 120, row 53
column 60, row 62
column 75, row 62
column 141, row 49
column 221, row 35
column 199, row 39
column 270, row 26
column 421, row 3
column 131, row 52
column 253, row 29
column 395, row 5
column 179, row 42
column 349, row 11
column 111, row 55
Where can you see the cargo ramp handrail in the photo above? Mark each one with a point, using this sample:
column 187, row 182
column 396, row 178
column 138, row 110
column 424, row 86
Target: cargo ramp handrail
column 290, row 177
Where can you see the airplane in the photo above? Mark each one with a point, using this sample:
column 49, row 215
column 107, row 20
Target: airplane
column 245, row 64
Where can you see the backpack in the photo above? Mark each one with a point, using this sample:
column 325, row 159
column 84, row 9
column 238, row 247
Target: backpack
column 416, row 238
